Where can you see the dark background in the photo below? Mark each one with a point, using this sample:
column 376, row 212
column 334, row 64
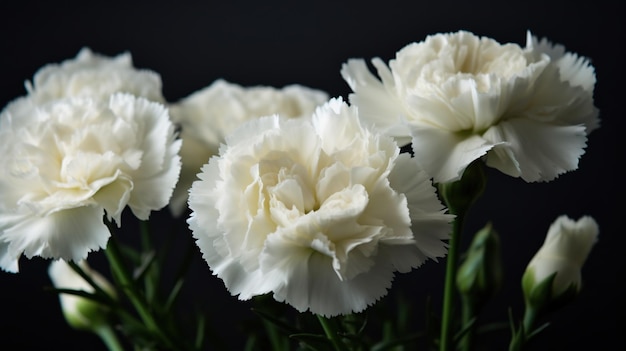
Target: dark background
column 192, row 43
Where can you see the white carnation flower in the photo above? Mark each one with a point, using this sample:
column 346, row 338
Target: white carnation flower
column 459, row 97
column 94, row 76
column 68, row 161
column 209, row 114
column 319, row 211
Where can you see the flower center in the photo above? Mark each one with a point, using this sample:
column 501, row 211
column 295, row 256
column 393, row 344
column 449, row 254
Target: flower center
column 288, row 183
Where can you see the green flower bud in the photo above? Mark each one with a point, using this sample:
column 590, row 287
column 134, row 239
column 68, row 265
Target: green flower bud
column 79, row 312
column 461, row 194
column 480, row 275
column 553, row 276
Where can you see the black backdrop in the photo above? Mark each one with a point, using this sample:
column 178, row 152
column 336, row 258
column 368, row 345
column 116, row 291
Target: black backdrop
column 192, row 43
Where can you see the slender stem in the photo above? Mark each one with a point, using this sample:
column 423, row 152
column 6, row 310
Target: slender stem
column 459, row 196
column 128, row 285
column 526, row 330
column 331, row 333
column 469, row 312
column 530, row 315
column 108, row 336
column 446, row 340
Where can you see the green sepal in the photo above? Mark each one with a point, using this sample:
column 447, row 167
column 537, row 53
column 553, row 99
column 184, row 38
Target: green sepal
column 537, row 295
column 461, row 194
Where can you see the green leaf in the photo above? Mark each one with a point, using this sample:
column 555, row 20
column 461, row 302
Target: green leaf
column 98, row 289
column 250, row 343
column 281, row 324
column 146, row 261
column 466, row 328
column 200, row 332
column 388, row 344
column 171, row 299
column 313, row 341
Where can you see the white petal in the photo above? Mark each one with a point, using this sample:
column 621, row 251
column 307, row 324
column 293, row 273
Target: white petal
column 445, row 155
column 95, row 76
column 114, row 197
column 194, row 155
column 377, row 105
column 429, row 222
column 310, row 282
column 573, row 68
column 8, row 261
column 158, row 173
column 572, row 239
column 68, row 234
column 542, row 151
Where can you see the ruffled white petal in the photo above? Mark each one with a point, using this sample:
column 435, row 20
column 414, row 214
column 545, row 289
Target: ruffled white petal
column 447, row 154
column 67, row 234
column 94, row 76
column 310, row 283
column 209, row 236
column 193, row 155
column 378, row 105
column 430, row 222
column 575, row 69
column 160, row 162
column 541, row 151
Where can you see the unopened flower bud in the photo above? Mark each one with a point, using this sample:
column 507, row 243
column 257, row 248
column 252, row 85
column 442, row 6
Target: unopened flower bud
column 80, row 312
column 553, row 276
column 480, row 275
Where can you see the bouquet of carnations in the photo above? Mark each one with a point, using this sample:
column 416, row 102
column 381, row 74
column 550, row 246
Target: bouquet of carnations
column 308, row 205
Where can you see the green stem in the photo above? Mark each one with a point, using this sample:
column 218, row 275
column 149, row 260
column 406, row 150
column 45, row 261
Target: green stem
column 446, row 339
column 469, row 312
column 459, row 196
column 530, row 316
column 128, row 285
column 108, row 336
column 331, row 333
column 525, row 332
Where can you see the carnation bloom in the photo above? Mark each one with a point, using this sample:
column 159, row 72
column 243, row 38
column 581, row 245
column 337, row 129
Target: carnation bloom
column 564, row 251
column 459, row 97
column 94, row 76
column 69, row 161
column 319, row 211
column 209, row 114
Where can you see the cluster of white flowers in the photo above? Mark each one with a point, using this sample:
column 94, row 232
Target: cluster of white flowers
column 290, row 192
